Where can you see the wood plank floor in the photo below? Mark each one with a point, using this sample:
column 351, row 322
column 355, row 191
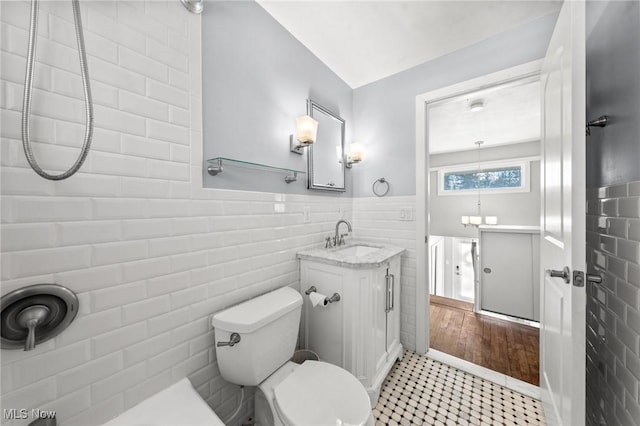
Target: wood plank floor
column 503, row 346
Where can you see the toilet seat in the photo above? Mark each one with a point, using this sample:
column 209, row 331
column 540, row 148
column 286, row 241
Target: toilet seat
column 319, row 393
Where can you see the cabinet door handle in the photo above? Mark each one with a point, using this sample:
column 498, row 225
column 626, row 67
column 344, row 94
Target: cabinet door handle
column 386, row 293
column 392, row 303
column 391, row 283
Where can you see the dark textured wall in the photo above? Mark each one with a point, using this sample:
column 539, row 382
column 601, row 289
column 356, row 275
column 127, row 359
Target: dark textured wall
column 613, row 221
column 613, row 317
column 613, row 89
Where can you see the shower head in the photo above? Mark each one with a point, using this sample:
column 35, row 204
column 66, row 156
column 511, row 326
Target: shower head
column 601, row 121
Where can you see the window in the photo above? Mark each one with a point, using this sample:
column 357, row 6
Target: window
column 491, row 177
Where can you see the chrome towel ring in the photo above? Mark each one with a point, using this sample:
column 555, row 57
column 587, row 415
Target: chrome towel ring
column 380, row 187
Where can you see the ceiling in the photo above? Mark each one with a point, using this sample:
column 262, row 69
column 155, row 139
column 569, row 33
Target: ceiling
column 364, row 41
column 511, row 114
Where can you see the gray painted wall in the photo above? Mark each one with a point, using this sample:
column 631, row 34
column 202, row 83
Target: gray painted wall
column 522, row 208
column 613, row 72
column 613, row 236
column 256, row 79
column 384, row 111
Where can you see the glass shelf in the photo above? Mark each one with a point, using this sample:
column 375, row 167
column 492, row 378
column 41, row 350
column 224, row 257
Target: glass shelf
column 216, row 166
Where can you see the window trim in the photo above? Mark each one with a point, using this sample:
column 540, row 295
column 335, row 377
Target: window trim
column 523, row 163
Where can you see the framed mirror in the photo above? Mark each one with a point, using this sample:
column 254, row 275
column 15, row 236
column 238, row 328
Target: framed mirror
column 325, row 157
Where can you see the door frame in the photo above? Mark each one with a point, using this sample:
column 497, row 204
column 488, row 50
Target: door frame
column 423, row 183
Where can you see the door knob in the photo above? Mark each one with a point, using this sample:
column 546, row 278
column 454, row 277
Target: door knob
column 564, row 274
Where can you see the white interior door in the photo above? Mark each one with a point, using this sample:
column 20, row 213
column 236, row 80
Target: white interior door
column 562, row 345
column 464, row 274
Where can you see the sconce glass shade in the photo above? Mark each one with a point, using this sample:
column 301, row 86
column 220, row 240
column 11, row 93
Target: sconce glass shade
column 464, row 220
column 307, row 129
column 475, row 220
column 491, row 220
column 356, row 152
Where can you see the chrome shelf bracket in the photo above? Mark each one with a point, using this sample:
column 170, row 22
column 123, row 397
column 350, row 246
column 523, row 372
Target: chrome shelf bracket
column 291, row 178
column 214, row 169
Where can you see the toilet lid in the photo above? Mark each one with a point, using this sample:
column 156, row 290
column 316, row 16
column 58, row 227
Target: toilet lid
column 318, row 393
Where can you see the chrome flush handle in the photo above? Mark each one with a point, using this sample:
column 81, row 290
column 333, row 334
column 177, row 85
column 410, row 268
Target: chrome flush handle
column 234, row 339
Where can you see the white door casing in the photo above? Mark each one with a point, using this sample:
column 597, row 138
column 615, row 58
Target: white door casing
column 563, row 220
column 422, row 180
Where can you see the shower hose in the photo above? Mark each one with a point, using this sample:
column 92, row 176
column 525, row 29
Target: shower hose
column 28, row 89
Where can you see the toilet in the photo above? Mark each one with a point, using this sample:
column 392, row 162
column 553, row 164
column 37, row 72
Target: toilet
column 179, row 404
column 313, row 393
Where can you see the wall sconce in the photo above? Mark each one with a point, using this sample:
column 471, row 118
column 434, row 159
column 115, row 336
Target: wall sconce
column 307, row 129
column 477, row 220
column 356, row 154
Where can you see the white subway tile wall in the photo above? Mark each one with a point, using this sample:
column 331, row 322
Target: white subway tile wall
column 379, row 220
column 613, row 307
column 150, row 253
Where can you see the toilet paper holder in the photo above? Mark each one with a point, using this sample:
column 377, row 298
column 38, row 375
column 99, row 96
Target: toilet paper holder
column 334, row 298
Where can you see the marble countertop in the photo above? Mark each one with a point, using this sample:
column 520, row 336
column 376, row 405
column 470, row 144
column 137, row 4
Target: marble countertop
column 336, row 256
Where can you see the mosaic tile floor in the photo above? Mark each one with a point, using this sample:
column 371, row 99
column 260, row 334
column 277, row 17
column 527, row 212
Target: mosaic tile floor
column 422, row 391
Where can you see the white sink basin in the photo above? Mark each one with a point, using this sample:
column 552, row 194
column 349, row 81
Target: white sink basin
column 357, row 250
column 362, row 255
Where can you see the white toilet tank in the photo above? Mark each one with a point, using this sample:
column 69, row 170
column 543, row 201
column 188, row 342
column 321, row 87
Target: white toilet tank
column 268, row 328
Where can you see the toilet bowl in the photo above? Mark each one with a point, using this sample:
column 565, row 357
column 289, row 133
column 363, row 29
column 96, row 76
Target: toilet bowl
column 265, row 331
column 314, row 393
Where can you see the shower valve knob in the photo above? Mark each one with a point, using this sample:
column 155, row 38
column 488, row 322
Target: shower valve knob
column 30, row 318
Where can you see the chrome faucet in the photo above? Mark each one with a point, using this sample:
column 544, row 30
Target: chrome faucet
column 338, row 239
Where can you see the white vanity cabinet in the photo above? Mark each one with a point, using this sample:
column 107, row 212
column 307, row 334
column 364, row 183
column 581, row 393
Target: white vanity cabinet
column 361, row 332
